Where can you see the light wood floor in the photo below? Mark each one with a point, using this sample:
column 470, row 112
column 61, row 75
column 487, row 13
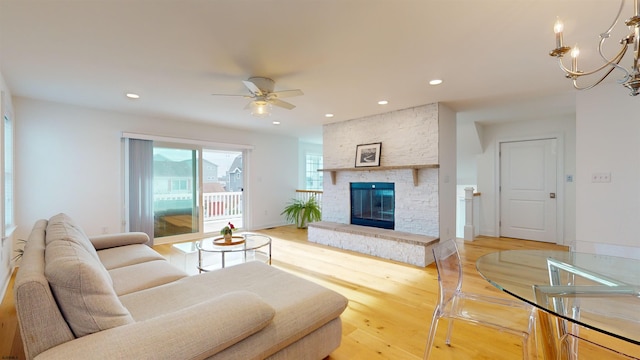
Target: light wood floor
column 390, row 303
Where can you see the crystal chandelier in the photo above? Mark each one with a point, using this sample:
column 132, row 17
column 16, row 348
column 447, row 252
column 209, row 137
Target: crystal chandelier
column 631, row 78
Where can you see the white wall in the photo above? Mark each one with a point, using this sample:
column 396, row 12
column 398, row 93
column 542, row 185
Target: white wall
column 491, row 135
column 69, row 159
column 467, row 149
column 608, row 133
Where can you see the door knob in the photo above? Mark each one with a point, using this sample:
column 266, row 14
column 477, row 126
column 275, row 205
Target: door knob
column 552, row 195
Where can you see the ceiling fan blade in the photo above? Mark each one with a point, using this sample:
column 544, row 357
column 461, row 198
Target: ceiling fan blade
column 245, row 96
column 286, row 93
column 252, row 87
column 280, row 103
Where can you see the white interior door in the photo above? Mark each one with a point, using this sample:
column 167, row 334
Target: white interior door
column 528, row 204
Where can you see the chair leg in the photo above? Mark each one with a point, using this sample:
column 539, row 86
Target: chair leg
column 525, row 347
column 531, row 338
column 454, row 305
column 432, row 334
column 449, row 332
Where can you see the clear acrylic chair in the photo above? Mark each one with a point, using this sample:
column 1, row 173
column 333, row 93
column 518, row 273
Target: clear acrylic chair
column 504, row 315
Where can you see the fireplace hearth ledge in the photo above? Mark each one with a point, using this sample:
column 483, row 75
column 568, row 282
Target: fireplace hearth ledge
column 394, row 245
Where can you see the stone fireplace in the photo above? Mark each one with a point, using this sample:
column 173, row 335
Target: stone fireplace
column 410, row 156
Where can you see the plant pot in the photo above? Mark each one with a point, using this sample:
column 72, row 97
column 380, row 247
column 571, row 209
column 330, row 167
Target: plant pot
column 227, row 237
column 302, row 220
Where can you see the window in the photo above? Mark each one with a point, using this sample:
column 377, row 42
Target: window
column 179, row 185
column 8, row 173
column 313, row 176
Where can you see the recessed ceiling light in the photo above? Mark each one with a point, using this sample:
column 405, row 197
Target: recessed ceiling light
column 276, row 122
column 435, row 82
column 383, row 102
column 132, row 96
column 328, row 115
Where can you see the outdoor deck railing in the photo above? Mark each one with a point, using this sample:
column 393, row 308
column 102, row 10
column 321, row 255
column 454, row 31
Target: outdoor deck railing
column 225, row 205
column 218, row 205
column 307, row 194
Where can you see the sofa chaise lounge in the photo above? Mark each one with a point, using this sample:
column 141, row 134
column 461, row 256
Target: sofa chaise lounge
column 113, row 297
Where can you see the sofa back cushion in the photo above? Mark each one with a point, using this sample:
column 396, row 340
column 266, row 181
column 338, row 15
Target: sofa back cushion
column 82, row 288
column 61, row 226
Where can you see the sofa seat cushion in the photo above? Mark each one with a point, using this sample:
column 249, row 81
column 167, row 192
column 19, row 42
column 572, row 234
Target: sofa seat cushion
column 301, row 306
column 82, row 288
column 136, row 277
column 194, row 332
column 127, row 255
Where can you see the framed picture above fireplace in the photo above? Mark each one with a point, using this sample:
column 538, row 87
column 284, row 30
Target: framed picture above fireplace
column 368, row 155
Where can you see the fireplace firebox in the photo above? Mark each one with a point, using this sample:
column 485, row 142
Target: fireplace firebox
column 373, row 204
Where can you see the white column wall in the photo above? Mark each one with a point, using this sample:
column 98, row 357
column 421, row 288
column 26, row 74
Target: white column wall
column 447, row 157
column 608, row 141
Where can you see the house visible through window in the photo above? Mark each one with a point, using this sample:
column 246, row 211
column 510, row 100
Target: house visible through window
column 312, row 175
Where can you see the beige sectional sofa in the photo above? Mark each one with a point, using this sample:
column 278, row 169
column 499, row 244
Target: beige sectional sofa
column 113, row 297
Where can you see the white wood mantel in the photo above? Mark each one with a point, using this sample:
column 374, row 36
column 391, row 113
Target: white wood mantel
column 414, row 169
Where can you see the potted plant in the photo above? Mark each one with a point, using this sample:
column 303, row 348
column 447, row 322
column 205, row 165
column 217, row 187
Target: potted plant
column 227, row 232
column 302, row 212
column 19, row 251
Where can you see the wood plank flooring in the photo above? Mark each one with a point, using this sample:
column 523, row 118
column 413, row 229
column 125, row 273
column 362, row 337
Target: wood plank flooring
column 390, row 303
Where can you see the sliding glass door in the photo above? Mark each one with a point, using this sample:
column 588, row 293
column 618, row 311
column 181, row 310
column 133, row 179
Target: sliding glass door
column 196, row 191
column 176, row 195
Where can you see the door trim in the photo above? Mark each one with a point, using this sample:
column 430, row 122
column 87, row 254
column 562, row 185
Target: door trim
column 559, row 137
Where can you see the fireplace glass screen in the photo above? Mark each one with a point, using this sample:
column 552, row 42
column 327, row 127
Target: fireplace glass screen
column 373, row 204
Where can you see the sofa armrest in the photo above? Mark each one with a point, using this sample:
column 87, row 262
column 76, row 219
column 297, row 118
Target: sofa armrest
column 121, row 239
column 195, row 332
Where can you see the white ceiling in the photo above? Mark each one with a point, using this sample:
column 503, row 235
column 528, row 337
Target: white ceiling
column 344, row 54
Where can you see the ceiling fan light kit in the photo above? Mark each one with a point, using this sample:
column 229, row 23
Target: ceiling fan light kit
column 260, row 108
column 264, row 98
column 631, row 78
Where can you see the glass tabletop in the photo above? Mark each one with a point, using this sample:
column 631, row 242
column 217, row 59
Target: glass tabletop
column 597, row 291
column 239, row 242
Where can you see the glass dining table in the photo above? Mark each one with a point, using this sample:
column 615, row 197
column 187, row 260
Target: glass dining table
column 598, row 292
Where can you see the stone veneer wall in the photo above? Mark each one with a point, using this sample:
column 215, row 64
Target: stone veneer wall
column 408, row 137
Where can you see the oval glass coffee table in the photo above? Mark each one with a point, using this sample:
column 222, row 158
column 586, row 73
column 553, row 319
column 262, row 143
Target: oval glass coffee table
column 242, row 248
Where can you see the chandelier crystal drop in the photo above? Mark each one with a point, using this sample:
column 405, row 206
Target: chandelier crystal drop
column 630, row 78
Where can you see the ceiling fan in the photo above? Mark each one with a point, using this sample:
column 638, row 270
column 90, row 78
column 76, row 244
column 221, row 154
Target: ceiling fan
column 261, row 89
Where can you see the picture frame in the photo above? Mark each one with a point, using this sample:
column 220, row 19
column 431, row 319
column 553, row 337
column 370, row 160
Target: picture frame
column 368, row 155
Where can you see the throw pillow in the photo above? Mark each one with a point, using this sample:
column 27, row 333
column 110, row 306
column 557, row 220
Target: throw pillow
column 83, row 289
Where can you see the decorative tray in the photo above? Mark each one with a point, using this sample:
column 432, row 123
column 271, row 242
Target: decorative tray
column 235, row 240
